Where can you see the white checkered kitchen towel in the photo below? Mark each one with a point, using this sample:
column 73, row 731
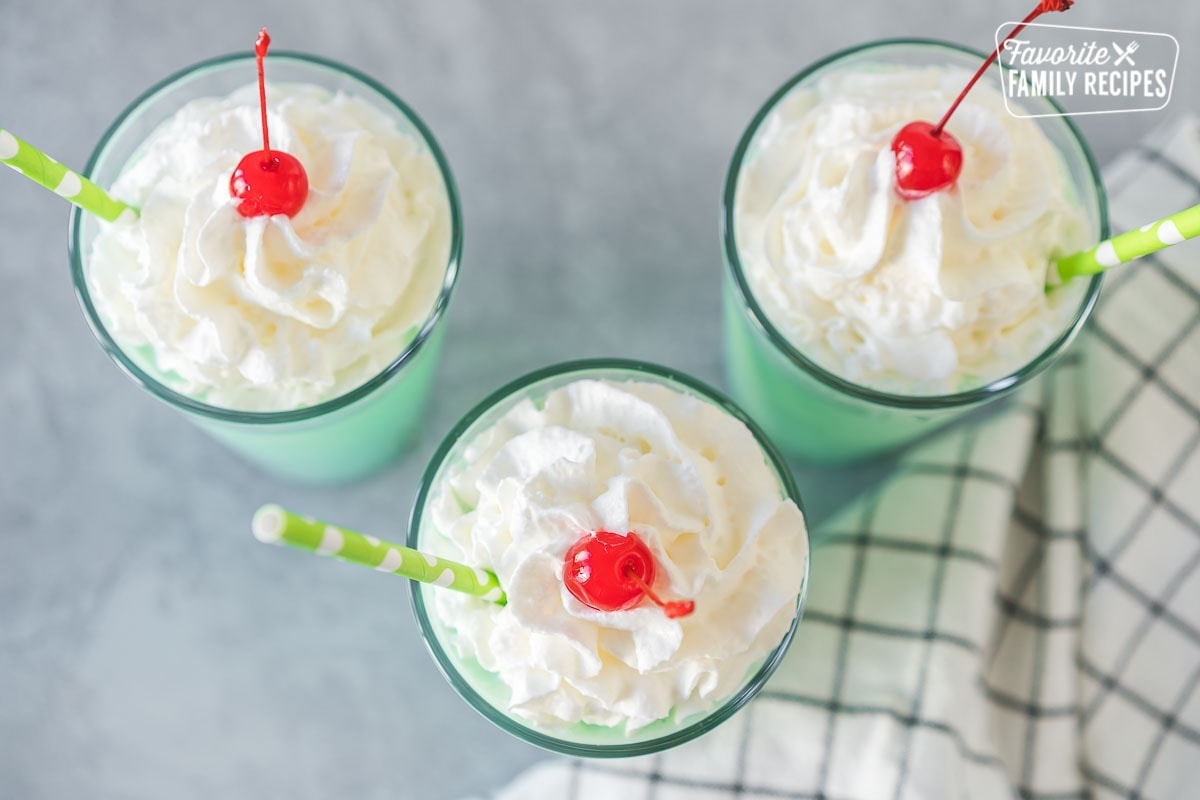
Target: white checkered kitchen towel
column 1016, row 612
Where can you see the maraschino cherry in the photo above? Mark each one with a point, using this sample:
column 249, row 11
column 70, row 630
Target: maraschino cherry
column 613, row 572
column 928, row 159
column 268, row 182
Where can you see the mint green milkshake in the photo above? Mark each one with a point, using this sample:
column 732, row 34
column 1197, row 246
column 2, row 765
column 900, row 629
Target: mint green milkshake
column 857, row 319
column 639, row 456
column 305, row 340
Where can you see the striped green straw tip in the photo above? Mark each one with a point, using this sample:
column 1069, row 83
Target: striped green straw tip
column 269, row 523
column 1150, row 238
column 46, row 171
column 273, row 524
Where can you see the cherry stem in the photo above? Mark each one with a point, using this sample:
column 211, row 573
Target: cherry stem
column 260, row 52
column 1043, row 7
column 673, row 609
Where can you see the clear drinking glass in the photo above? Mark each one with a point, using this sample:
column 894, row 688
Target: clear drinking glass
column 808, row 410
column 341, row 439
column 484, row 691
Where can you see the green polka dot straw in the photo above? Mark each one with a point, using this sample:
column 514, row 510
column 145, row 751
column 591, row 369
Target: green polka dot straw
column 41, row 168
column 274, row 525
column 1134, row 244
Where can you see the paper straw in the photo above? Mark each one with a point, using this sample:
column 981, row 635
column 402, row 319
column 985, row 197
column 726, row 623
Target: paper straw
column 41, row 168
column 275, row 525
column 1134, row 244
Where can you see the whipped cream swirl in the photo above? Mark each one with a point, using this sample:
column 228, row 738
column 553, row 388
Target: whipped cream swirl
column 687, row 478
column 272, row 313
column 914, row 297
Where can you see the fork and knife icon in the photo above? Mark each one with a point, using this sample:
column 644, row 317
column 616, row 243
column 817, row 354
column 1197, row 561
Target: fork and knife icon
column 1126, row 54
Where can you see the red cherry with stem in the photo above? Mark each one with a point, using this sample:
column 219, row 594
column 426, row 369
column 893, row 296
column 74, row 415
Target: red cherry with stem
column 597, row 567
column 928, row 159
column 268, row 182
column 925, row 162
column 613, row 572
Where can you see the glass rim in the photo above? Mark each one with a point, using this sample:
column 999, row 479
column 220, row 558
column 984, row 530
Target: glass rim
column 183, row 401
column 702, row 723
column 833, row 381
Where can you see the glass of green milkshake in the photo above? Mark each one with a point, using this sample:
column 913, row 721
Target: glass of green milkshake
column 306, row 341
column 612, row 658
column 855, row 319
